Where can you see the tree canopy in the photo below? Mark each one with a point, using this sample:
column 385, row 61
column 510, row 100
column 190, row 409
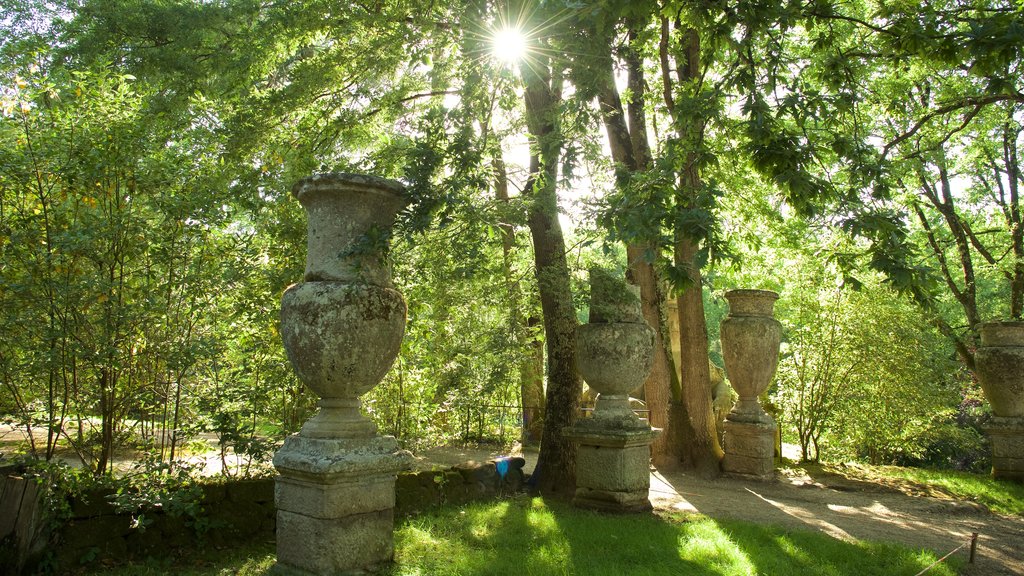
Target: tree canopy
column 862, row 158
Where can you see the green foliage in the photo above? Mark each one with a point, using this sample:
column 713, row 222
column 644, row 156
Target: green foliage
column 861, row 378
column 146, row 230
column 151, row 487
column 457, row 378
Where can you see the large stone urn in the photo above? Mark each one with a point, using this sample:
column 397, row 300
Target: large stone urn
column 615, row 353
column 750, row 347
column 1000, row 368
column 342, row 329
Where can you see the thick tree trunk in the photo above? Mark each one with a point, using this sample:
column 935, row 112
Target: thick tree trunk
column 556, row 465
column 704, row 450
column 665, row 450
column 628, row 144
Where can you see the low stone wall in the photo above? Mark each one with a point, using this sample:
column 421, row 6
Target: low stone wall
column 232, row 512
column 469, row 482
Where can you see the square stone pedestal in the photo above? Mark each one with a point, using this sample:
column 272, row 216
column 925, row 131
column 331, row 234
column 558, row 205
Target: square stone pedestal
column 613, row 468
column 1007, row 438
column 749, row 448
column 335, row 504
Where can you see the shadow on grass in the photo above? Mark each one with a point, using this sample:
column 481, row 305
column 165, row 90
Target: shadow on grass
column 531, row 536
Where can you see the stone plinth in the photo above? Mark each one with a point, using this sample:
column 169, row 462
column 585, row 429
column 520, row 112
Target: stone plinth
column 1007, row 438
column 335, row 504
column 612, row 468
column 749, row 448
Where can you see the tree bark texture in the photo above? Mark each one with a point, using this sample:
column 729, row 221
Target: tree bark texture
column 557, row 460
column 631, row 154
column 705, row 453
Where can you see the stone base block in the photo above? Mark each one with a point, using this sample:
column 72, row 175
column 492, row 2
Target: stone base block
column 1007, row 438
column 749, row 449
column 337, row 499
column 354, row 544
column 335, row 504
column 609, row 501
column 613, row 469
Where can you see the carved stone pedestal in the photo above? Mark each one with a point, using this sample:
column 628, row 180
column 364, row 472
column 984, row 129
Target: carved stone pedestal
column 1007, row 438
column 1000, row 369
column 750, row 347
column 615, row 352
column 749, row 448
column 613, row 468
column 335, row 503
column 342, row 328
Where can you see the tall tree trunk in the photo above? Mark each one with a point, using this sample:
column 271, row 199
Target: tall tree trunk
column 1013, row 216
column 631, row 153
column 704, row 450
column 557, row 461
column 683, row 430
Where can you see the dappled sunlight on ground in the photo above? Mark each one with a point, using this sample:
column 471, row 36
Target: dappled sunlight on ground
column 850, row 514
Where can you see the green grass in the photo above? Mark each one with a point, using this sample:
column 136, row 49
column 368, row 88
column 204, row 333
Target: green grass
column 253, row 560
column 1000, row 496
column 530, row 537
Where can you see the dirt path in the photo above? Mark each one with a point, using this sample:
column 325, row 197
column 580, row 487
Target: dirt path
column 849, row 513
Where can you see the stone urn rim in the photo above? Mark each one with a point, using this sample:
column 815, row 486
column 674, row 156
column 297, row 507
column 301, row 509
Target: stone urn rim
column 347, row 182
column 752, row 292
column 1002, row 333
column 751, row 302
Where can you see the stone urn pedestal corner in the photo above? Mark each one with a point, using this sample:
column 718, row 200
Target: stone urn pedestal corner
column 615, row 352
column 751, row 337
column 1000, row 368
column 342, row 329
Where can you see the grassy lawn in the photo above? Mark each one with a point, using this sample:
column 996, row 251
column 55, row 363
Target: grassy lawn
column 527, row 536
column 999, row 496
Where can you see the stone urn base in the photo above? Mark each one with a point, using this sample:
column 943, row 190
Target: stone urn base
column 335, row 504
column 749, row 449
column 613, row 468
column 1007, row 438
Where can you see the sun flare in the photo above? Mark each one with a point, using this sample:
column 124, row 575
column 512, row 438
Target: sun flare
column 509, row 46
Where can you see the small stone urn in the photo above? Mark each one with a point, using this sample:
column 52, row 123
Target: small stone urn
column 615, row 352
column 342, row 329
column 750, row 347
column 999, row 364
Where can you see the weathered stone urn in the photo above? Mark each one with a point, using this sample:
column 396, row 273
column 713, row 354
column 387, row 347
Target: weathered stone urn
column 750, row 347
column 615, row 352
column 1000, row 368
column 342, row 329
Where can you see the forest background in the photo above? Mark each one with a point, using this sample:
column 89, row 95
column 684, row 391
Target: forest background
column 859, row 158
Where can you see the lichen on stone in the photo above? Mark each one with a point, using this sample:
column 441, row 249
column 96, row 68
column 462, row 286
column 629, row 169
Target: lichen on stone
column 612, row 299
